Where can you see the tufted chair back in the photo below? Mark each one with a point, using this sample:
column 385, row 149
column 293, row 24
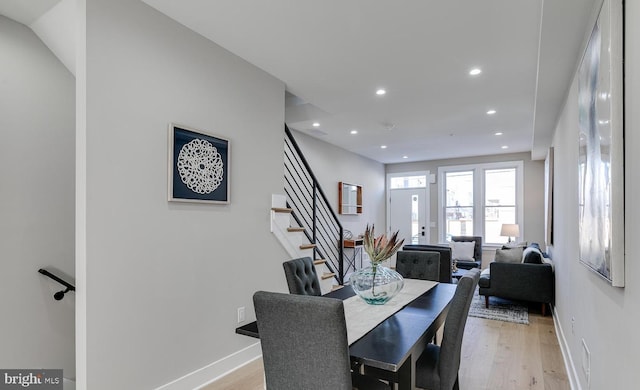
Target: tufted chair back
column 302, row 278
column 423, row 265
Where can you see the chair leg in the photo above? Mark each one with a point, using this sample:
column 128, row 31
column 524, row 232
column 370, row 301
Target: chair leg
column 544, row 309
column 486, row 301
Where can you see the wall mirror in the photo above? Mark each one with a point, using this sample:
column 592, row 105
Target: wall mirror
column 349, row 198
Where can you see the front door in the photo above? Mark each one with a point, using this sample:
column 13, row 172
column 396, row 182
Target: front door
column 408, row 211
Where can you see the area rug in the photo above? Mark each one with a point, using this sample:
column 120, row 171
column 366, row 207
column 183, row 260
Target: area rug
column 499, row 309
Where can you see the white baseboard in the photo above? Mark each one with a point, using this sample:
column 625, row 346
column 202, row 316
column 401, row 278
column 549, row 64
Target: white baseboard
column 572, row 374
column 214, row 371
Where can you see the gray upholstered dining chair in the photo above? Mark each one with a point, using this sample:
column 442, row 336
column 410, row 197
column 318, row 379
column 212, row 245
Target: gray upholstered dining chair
column 302, row 278
column 304, row 344
column 437, row 367
column 418, row 265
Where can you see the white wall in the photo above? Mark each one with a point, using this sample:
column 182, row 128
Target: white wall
column 36, row 202
column 331, row 164
column 533, row 190
column 57, row 29
column 606, row 317
column 164, row 280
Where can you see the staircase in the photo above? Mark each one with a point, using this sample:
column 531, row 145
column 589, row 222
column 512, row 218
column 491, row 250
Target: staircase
column 295, row 242
column 303, row 220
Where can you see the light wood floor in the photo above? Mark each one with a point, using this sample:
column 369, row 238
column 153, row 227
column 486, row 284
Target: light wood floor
column 495, row 355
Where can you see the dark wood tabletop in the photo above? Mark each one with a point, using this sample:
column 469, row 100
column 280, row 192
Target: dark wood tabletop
column 390, row 350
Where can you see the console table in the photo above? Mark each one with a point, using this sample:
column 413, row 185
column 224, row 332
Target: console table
column 355, row 247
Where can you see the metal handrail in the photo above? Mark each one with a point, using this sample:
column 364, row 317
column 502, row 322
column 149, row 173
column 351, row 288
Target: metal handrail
column 311, row 208
column 60, row 294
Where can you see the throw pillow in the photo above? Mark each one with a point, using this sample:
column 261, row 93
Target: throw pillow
column 544, row 254
column 510, row 255
column 532, row 255
column 462, row 250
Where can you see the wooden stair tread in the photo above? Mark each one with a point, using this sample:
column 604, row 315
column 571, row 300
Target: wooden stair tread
column 295, row 229
column 281, row 210
column 328, row 275
column 336, row 287
column 307, row 246
column 319, row 261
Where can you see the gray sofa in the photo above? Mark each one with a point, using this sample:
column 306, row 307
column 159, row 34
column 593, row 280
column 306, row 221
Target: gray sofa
column 533, row 282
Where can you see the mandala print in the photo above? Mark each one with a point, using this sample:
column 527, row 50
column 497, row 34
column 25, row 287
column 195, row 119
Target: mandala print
column 200, row 166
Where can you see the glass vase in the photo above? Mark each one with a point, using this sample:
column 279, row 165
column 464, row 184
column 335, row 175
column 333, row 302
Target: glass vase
column 376, row 284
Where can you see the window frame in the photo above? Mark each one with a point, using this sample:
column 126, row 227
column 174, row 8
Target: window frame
column 479, row 201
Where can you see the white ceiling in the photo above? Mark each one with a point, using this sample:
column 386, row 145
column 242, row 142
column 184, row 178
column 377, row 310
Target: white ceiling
column 333, row 54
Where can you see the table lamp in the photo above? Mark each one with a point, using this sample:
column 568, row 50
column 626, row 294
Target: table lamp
column 510, row 230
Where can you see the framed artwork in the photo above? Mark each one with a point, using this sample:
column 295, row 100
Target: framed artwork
column 601, row 147
column 198, row 166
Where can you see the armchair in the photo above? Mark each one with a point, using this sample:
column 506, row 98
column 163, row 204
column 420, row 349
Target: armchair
column 477, row 252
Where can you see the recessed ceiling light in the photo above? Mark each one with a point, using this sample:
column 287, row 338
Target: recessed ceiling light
column 383, row 146
column 498, row 133
column 475, row 71
column 405, row 156
column 491, row 112
column 381, row 91
column 354, row 132
column 505, row 147
column 315, row 124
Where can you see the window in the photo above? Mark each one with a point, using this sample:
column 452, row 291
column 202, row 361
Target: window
column 477, row 199
column 417, row 181
column 499, row 201
column 459, row 204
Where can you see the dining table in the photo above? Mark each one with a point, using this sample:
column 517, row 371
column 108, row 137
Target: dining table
column 391, row 348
